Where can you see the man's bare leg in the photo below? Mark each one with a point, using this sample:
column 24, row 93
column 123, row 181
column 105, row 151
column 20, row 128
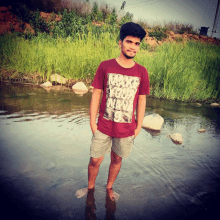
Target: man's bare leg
column 93, row 169
column 114, row 169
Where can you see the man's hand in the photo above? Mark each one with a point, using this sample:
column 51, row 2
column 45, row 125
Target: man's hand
column 94, row 128
column 136, row 132
column 94, row 108
column 140, row 113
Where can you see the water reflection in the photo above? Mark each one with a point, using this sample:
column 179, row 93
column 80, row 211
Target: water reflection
column 90, row 211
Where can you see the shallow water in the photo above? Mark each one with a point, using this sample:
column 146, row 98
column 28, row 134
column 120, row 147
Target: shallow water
column 44, row 152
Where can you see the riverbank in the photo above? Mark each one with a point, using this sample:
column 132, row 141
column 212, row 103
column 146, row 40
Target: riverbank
column 187, row 71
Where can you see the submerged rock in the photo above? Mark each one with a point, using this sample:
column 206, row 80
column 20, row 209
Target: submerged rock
column 153, row 122
column 80, row 88
column 57, row 78
column 50, row 166
column 176, row 138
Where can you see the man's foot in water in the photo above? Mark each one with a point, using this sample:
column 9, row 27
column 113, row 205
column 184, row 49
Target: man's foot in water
column 112, row 195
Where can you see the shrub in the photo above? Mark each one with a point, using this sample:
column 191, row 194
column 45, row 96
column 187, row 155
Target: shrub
column 159, row 35
column 94, row 13
column 144, row 45
column 127, row 18
column 113, row 17
column 179, row 28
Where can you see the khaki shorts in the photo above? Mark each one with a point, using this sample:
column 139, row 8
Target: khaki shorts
column 103, row 144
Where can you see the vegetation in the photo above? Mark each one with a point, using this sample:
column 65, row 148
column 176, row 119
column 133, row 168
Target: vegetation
column 75, row 46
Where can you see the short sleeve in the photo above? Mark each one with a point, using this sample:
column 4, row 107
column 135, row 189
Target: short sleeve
column 145, row 83
column 98, row 82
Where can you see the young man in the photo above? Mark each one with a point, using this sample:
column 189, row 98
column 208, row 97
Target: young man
column 124, row 85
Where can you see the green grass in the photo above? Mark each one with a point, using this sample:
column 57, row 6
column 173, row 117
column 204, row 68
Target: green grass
column 184, row 71
column 72, row 58
column 178, row 71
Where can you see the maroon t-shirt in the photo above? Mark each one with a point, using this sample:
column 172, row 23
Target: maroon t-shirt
column 121, row 88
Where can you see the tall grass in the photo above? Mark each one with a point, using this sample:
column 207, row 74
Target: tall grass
column 186, row 71
column 72, row 58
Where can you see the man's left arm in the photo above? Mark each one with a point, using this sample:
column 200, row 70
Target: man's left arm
column 141, row 105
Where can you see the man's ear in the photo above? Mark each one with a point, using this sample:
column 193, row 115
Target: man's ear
column 120, row 43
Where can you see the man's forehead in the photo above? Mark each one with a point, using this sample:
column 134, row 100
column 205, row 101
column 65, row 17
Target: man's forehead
column 133, row 39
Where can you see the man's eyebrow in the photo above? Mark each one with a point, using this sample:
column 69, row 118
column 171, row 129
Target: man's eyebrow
column 137, row 42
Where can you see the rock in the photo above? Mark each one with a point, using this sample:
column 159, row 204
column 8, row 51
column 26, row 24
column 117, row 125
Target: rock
column 57, row 78
column 91, row 88
column 198, row 104
column 51, row 166
column 153, row 122
column 214, row 104
column 79, row 88
column 176, row 138
column 201, row 130
column 46, row 84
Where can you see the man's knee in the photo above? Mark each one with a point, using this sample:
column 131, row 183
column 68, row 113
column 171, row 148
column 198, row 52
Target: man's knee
column 115, row 158
column 95, row 162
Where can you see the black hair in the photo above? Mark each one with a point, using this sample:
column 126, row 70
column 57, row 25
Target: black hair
column 132, row 29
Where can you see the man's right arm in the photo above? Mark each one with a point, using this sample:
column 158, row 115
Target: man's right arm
column 94, row 108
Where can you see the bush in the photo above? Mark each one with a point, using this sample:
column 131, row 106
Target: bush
column 180, row 28
column 113, row 17
column 69, row 25
column 127, row 18
column 39, row 24
column 159, row 35
column 94, row 14
column 144, row 45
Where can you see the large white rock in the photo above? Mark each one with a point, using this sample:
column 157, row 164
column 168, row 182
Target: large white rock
column 57, row 78
column 79, row 88
column 153, row 122
column 214, row 104
column 46, row 84
column 176, row 138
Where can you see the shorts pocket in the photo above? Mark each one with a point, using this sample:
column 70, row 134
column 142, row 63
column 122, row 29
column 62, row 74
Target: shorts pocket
column 95, row 132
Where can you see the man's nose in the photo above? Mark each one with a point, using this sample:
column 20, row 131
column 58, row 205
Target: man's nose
column 132, row 46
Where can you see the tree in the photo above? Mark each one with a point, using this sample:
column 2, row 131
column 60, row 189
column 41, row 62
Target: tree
column 123, row 5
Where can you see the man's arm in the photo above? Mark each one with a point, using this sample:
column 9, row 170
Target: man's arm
column 94, row 108
column 141, row 105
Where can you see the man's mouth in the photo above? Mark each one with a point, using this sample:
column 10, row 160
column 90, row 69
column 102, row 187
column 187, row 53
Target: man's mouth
column 131, row 51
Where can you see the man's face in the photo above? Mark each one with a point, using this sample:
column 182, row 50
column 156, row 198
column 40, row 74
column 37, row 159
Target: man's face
column 130, row 46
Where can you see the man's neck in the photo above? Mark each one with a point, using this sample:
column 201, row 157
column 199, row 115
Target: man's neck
column 124, row 62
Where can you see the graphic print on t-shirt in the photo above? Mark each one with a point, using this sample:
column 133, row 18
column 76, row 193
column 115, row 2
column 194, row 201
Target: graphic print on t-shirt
column 120, row 93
